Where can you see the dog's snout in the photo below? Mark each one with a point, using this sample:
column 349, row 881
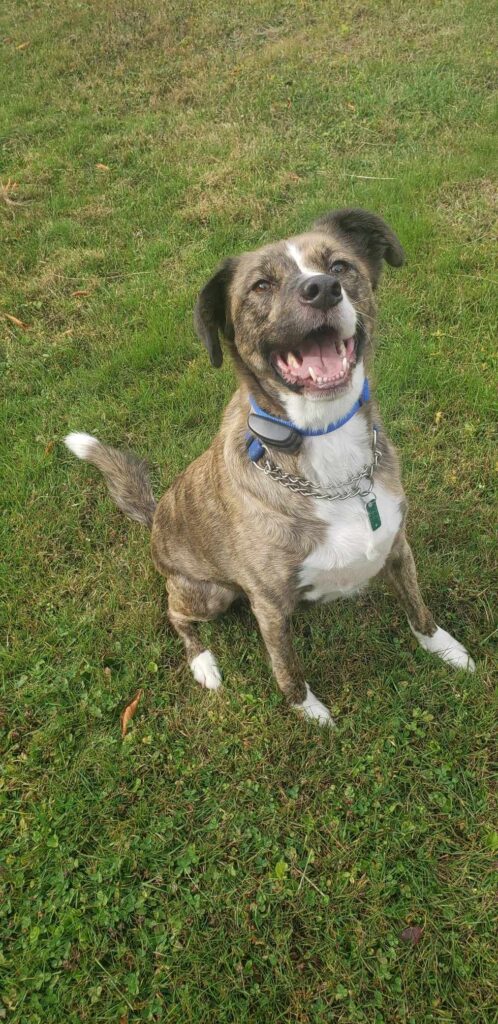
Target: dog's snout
column 320, row 291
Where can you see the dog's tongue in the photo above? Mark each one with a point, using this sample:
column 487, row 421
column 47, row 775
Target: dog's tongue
column 317, row 360
column 323, row 358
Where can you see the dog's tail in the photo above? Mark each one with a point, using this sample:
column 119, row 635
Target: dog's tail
column 126, row 476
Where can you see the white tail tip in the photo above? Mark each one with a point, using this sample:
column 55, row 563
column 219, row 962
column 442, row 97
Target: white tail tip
column 81, row 444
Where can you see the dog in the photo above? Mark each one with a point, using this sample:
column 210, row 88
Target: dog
column 299, row 497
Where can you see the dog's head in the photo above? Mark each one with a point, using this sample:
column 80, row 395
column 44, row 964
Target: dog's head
column 298, row 314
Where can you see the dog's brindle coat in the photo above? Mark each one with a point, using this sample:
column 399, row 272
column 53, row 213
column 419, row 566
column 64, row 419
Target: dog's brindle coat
column 224, row 529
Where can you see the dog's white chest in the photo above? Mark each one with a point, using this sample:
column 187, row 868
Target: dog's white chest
column 351, row 553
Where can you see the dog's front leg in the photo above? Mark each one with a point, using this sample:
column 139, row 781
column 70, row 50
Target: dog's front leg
column 274, row 623
column 401, row 575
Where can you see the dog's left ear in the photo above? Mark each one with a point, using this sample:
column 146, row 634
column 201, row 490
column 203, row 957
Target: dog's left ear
column 212, row 313
column 372, row 238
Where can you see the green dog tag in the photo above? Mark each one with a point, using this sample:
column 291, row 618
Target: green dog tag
column 373, row 514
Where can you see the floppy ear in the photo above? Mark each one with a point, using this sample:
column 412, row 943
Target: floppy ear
column 212, row 314
column 372, row 238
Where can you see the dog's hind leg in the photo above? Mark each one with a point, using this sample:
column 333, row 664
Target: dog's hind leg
column 189, row 602
column 401, row 574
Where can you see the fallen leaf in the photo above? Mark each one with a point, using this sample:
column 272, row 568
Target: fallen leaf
column 15, row 320
column 80, row 291
column 128, row 712
column 6, row 192
column 412, row 934
column 22, row 46
column 102, row 167
column 49, row 447
column 438, row 417
column 107, row 672
column 123, row 1019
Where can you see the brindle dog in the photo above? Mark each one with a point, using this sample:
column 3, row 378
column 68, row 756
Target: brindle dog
column 297, row 318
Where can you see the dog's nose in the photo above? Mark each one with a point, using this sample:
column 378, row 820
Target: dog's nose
column 320, row 291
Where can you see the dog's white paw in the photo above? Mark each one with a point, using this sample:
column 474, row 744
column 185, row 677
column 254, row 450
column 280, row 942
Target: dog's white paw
column 447, row 648
column 205, row 670
column 314, row 710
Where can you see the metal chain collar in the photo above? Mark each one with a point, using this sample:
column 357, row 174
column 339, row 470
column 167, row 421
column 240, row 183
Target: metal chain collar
column 359, row 484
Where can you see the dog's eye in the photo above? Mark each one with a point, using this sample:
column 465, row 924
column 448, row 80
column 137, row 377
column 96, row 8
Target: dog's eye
column 339, row 267
column 262, row 285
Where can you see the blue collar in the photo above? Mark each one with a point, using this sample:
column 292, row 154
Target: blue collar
column 365, row 395
column 255, row 447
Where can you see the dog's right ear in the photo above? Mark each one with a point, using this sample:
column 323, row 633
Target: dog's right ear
column 212, row 313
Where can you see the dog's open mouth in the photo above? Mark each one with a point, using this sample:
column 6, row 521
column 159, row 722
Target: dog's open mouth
column 323, row 362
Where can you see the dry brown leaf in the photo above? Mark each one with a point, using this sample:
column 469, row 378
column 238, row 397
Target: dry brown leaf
column 123, row 1019
column 102, row 167
column 80, row 291
column 412, row 934
column 438, row 417
column 128, row 712
column 15, row 320
column 22, row 46
column 7, row 191
column 49, row 447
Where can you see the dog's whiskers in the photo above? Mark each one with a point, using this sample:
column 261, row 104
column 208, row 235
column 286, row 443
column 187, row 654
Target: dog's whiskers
column 361, row 315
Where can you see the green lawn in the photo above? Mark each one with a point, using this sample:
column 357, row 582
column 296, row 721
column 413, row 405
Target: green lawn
column 225, row 863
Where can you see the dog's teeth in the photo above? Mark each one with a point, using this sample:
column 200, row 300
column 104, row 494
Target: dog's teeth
column 344, row 363
column 340, row 346
column 312, row 373
column 292, row 361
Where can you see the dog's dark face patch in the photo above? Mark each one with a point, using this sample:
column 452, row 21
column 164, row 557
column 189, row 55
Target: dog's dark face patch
column 302, row 312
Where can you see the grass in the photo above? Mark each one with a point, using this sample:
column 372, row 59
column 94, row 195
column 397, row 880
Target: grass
column 225, row 863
